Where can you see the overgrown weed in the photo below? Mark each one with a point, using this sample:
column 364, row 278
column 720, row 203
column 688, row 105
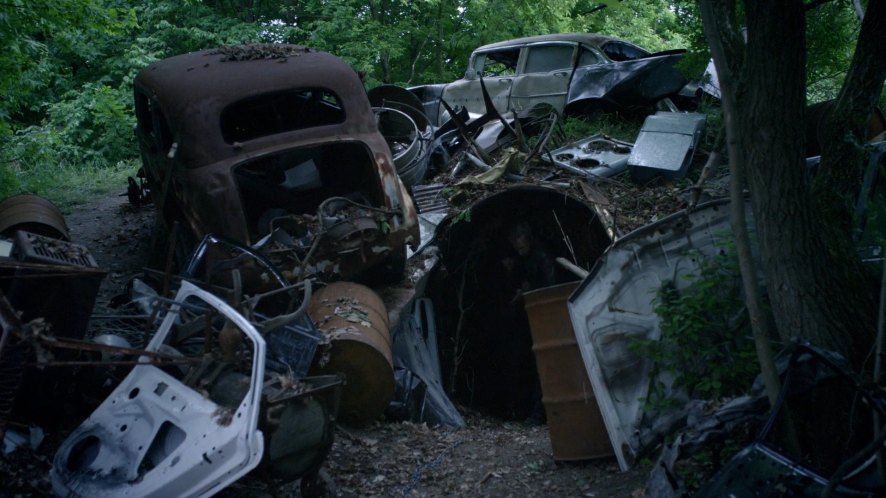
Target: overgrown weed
column 706, row 342
column 610, row 124
column 66, row 186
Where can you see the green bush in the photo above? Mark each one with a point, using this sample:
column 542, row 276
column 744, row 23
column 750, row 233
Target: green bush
column 612, row 125
column 9, row 182
column 64, row 186
column 706, row 342
column 94, row 124
column 83, row 147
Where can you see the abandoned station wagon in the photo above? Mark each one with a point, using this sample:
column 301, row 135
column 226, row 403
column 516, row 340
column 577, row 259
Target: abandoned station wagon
column 275, row 145
column 570, row 71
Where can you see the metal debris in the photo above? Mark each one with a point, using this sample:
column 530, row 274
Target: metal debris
column 273, row 144
column 614, row 306
column 259, row 51
column 665, row 145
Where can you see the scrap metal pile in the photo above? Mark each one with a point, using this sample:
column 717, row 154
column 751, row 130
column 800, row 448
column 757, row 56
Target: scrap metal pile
column 232, row 363
column 203, row 388
column 475, row 156
column 258, row 335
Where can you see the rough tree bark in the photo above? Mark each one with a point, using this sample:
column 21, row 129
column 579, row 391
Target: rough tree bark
column 721, row 36
column 842, row 130
column 813, row 284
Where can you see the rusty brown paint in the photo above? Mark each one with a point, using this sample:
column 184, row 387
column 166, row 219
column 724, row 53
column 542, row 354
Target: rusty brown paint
column 191, row 166
column 32, row 213
column 355, row 321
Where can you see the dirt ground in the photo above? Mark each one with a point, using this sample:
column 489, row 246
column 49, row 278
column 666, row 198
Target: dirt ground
column 488, row 457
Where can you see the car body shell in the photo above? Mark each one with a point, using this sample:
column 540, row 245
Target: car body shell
column 205, row 116
column 568, row 71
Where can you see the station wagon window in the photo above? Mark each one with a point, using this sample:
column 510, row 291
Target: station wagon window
column 143, row 112
column 497, row 63
column 620, row 51
column 547, row 58
column 280, row 112
column 589, row 58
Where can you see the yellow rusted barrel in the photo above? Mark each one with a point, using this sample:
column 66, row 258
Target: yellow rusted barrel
column 354, row 320
column 574, row 420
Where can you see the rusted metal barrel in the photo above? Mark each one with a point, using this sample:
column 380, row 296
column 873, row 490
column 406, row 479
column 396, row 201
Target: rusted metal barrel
column 34, row 214
column 355, row 321
column 574, row 420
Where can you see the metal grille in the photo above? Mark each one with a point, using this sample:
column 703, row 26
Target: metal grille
column 35, row 248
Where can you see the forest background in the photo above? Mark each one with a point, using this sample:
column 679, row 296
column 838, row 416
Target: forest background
column 66, row 117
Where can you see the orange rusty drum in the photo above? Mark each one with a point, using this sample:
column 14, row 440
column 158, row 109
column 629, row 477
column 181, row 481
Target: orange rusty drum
column 574, row 420
column 34, row 214
column 355, row 320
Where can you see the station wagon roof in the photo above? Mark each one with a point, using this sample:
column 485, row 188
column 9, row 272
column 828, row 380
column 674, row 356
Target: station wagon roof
column 592, row 39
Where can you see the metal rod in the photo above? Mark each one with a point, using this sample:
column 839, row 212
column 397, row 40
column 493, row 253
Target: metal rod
column 81, row 363
column 577, row 270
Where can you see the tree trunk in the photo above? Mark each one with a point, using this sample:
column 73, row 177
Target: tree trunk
column 717, row 21
column 812, row 288
column 842, row 130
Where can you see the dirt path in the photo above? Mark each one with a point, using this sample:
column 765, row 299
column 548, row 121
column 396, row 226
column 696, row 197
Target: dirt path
column 117, row 234
column 485, row 458
column 488, row 457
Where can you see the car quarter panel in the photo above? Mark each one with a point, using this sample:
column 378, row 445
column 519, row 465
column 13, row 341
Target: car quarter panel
column 627, row 84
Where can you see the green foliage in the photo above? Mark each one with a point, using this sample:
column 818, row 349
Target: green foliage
column 68, row 75
column 873, row 228
column 64, row 185
column 419, row 42
column 713, row 123
column 613, row 125
column 383, row 224
column 95, row 123
column 90, row 128
column 688, row 24
column 652, row 24
column 463, row 216
column 67, row 69
column 828, row 26
column 706, row 343
column 9, row 182
column 44, row 43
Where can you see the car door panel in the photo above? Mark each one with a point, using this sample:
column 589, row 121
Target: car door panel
column 497, row 69
column 545, row 76
column 469, row 94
